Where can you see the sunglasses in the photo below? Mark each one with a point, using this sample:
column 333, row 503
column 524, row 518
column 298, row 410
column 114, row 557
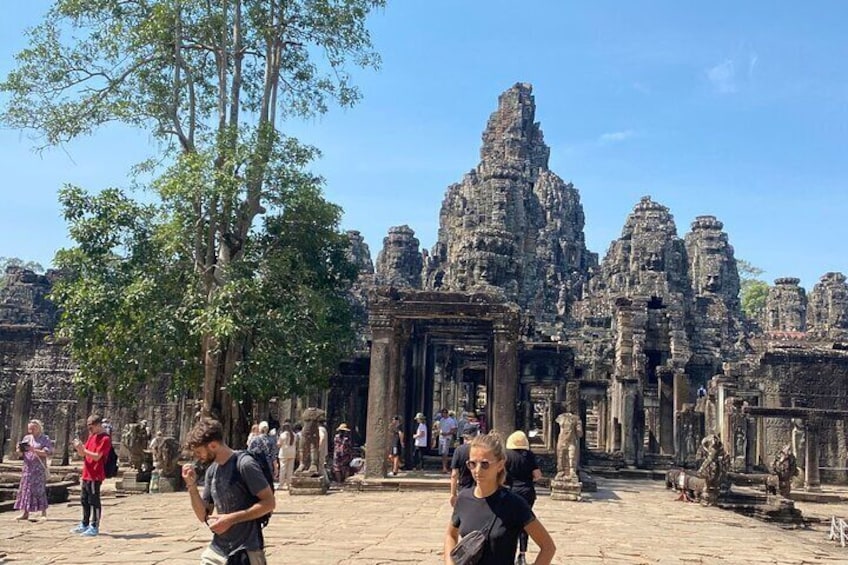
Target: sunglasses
column 483, row 464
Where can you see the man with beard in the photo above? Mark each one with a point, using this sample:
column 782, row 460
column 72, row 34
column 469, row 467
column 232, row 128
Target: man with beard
column 235, row 496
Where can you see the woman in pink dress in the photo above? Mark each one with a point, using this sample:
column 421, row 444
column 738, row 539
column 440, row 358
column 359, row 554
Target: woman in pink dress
column 36, row 447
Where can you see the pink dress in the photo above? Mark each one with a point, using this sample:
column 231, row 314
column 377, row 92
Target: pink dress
column 32, row 492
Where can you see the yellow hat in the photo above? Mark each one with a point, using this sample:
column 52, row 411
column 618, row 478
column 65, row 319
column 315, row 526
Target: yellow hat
column 517, row 440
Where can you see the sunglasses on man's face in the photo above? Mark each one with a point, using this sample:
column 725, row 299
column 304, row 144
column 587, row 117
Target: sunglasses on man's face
column 483, row 464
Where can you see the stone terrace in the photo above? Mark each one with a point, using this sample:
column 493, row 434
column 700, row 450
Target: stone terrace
column 626, row 523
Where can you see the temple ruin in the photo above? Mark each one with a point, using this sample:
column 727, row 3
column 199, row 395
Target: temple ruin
column 510, row 314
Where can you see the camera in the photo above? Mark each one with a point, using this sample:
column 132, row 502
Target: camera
column 23, row 446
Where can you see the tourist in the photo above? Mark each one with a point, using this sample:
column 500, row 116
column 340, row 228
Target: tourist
column 447, row 431
column 107, row 426
column 298, row 440
column 397, row 444
column 254, row 433
column 342, row 453
column 94, row 452
column 235, row 497
column 287, row 453
column 522, row 471
column 265, row 444
column 419, row 441
column 460, row 473
column 35, row 449
column 324, row 445
column 494, row 510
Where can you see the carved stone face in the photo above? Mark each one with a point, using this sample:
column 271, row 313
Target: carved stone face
column 712, row 282
column 653, row 260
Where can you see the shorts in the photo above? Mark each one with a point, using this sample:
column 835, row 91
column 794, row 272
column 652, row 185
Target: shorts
column 444, row 445
column 212, row 557
column 395, row 450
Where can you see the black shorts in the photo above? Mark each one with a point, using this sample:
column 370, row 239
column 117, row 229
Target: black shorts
column 395, row 450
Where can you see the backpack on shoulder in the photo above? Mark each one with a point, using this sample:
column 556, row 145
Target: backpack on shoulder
column 267, row 472
column 111, row 464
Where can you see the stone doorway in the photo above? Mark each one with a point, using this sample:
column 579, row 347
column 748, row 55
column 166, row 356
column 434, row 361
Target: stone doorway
column 540, row 429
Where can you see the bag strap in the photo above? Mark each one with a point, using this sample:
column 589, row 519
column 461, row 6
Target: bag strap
column 494, row 516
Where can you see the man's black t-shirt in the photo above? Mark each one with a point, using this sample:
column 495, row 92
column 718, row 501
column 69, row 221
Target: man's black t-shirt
column 460, row 463
column 513, row 514
column 520, row 464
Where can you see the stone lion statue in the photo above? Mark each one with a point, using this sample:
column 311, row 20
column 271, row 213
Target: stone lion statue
column 166, row 452
column 134, row 440
column 310, row 462
column 568, row 446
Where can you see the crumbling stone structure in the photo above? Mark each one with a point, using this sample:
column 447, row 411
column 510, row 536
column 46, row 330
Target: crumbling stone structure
column 827, row 310
column 509, row 314
column 512, row 225
column 786, row 306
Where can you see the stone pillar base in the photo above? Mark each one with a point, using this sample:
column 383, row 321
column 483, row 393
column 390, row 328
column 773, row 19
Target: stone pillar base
column 133, row 481
column 169, row 484
column 308, row 485
column 566, row 490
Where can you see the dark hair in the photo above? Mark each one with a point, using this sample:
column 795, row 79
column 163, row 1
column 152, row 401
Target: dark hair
column 205, row 432
column 287, row 427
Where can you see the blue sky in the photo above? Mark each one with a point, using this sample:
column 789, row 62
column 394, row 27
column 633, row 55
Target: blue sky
column 739, row 110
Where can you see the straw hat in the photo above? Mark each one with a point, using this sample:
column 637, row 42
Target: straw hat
column 517, row 440
column 342, row 428
column 420, row 416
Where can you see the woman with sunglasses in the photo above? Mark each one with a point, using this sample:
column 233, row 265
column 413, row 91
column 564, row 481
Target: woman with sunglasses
column 493, row 509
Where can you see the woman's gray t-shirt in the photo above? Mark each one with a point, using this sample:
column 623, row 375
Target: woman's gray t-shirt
column 229, row 494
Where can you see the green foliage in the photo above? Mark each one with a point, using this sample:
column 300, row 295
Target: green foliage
column 235, row 275
column 126, row 303
column 752, row 291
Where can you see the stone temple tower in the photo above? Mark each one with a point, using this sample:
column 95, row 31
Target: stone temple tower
column 511, row 225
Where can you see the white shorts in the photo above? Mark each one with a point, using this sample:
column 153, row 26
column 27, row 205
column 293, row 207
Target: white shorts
column 444, row 445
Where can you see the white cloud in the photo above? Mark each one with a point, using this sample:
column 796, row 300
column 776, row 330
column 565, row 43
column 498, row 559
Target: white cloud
column 616, row 136
column 641, row 87
column 752, row 62
column 723, row 77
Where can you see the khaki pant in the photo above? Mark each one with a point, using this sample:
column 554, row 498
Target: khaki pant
column 212, row 557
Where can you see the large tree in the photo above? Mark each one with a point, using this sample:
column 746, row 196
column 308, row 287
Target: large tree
column 233, row 276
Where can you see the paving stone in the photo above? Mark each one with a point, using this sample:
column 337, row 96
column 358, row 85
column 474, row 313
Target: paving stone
column 629, row 523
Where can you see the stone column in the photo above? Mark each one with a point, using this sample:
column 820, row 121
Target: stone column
column 396, row 362
column 630, row 436
column 3, row 438
column 21, row 410
column 378, row 389
column 681, row 397
column 812, row 479
column 505, row 377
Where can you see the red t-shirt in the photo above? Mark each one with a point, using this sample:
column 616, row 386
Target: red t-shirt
column 96, row 470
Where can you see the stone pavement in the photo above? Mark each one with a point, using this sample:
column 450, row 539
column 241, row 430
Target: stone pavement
column 635, row 522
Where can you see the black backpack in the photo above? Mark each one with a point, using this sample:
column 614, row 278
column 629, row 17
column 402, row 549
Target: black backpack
column 262, row 461
column 111, row 464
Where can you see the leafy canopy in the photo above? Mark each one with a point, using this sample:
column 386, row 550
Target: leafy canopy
column 234, row 274
column 753, row 291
